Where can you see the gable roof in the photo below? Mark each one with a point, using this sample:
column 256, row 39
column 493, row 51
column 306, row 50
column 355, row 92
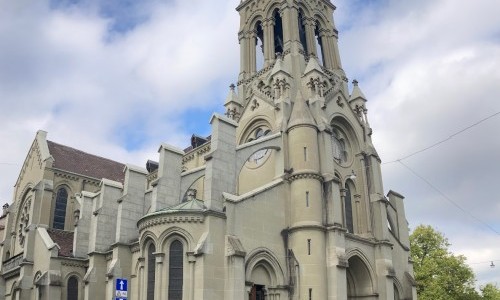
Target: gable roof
column 64, row 239
column 79, row 162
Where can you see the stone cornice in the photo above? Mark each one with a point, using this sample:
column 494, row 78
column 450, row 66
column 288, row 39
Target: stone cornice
column 74, row 176
column 74, row 262
column 160, row 219
column 305, row 175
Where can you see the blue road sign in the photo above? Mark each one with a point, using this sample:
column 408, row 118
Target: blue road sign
column 121, row 284
column 120, row 298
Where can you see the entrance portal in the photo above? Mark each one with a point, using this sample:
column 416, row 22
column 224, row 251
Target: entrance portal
column 258, row 292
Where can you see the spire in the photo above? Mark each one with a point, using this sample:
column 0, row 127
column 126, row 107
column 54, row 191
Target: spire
column 231, row 96
column 356, row 92
column 232, row 104
column 300, row 113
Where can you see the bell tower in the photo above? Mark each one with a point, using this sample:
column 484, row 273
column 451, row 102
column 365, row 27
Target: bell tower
column 291, row 85
column 292, row 37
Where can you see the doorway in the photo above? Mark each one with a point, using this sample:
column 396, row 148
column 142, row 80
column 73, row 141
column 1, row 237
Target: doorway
column 257, row 292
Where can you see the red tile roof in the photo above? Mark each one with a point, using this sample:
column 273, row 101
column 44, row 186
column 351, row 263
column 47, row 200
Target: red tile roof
column 64, row 239
column 79, row 162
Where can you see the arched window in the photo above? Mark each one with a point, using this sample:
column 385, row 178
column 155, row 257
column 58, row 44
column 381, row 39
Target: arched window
column 175, row 271
column 319, row 46
column 72, row 288
column 278, row 32
column 302, row 32
column 348, row 209
column 151, row 272
column 60, row 209
column 259, row 46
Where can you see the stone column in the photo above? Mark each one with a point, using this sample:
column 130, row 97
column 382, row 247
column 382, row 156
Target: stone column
column 326, row 49
column 310, row 37
column 159, row 256
column 269, row 54
column 243, row 54
column 252, row 43
column 290, row 17
column 191, row 261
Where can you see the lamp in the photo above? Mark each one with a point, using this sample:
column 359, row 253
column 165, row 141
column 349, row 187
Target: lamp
column 492, row 264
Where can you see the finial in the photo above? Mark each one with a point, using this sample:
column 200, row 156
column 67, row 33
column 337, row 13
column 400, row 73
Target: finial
column 232, row 87
column 355, row 82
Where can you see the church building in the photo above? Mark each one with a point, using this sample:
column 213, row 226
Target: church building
column 283, row 201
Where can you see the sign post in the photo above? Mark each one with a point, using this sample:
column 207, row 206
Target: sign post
column 121, row 289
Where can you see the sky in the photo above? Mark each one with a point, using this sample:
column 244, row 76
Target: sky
column 117, row 78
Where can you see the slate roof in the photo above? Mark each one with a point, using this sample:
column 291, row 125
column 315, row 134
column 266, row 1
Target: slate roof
column 79, row 162
column 64, row 239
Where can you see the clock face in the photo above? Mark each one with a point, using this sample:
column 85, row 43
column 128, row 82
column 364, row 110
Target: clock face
column 259, row 157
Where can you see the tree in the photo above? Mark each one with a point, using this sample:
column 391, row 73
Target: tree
column 490, row 292
column 440, row 275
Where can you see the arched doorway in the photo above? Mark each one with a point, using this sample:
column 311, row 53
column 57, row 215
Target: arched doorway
column 359, row 280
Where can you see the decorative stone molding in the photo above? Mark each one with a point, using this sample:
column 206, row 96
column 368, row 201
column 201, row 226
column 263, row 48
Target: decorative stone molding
column 12, row 263
column 134, row 248
column 66, row 175
column 204, row 149
column 159, row 220
column 258, row 74
column 152, row 176
column 305, row 175
column 188, row 157
column 109, row 256
column 74, row 263
column 343, row 263
column 234, row 247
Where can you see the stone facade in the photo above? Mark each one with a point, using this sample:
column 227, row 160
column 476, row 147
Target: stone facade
column 283, row 201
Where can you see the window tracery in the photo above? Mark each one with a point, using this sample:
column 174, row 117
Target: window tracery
column 60, row 209
column 340, row 147
column 24, row 221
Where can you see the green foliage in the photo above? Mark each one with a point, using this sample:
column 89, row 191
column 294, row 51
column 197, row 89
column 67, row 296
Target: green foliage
column 440, row 275
column 490, row 292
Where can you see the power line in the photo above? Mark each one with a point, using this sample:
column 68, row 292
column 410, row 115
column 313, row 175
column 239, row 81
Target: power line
column 448, row 198
column 444, row 140
column 484, row 262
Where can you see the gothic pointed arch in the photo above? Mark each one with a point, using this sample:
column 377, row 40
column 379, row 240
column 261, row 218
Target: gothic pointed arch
column 150, row 271
column 175, row 270
column 398, row 289
column 359, row 275
column 61, row 197
column 175, row 232
column 349, row 206
column 73, row 288
column 263, row 268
